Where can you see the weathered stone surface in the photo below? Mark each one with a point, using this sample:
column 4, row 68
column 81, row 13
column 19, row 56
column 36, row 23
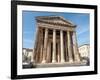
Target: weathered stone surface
column 58, row 44
column 66, row 64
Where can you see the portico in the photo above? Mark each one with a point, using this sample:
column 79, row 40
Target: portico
column 56, row 41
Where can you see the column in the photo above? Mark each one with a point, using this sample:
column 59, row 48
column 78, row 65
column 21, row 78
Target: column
column 45, row 45
column 41, row 53
column 66, row 47
column 41, row 50
column 38, row 47
column 35, row 47
column 62, row 46
column 58, row 52
column 69, row 47
column 75, row 48
column 54, row 46
column 48, row 52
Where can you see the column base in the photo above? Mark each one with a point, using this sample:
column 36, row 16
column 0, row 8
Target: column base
column 65, row 64
column 62, row 61
column 33, row 61
column 77, row 60
column 53, row 61
column 70, row 60
column 44, row 61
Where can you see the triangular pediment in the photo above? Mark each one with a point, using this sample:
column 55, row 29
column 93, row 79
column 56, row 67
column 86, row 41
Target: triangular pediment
column 58, row 20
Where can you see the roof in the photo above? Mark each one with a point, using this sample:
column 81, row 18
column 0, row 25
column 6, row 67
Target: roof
column 58, row 20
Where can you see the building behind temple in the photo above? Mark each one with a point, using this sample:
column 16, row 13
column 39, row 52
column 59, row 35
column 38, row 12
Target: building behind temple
column 27, row 55
column 84, row 51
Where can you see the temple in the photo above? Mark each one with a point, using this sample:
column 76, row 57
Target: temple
column 56, row 41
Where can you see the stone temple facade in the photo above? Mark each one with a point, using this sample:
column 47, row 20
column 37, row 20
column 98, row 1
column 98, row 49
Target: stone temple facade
column 56, row 41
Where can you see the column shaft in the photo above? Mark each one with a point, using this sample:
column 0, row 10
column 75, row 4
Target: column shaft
column 48, row 52
column 66, row 47
column 75, row 48
column 69, row 47
column 54, row 46
column 35, row 46
column 62, row 46
column 58, row 52
column 41, row 53
column 45, row 45
column 38, row 47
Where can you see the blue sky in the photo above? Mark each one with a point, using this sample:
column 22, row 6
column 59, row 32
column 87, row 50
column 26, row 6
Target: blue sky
column 79, row 19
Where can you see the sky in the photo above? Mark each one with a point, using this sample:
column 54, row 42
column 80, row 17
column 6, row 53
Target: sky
column 79, row 19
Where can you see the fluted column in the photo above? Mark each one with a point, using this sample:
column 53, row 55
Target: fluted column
column 54, row 46
column 35, row 47
column 75, row 48
column 58, row 52
column 48, row 52
column 66, row 47
column 41, row 50
column 62, row 46
column 45, row 45
column 69, row 47
column 38, row 47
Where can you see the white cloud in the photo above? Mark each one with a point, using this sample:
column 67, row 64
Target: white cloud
column 79, row 32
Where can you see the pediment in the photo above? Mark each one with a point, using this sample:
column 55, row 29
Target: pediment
column 57, row 20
